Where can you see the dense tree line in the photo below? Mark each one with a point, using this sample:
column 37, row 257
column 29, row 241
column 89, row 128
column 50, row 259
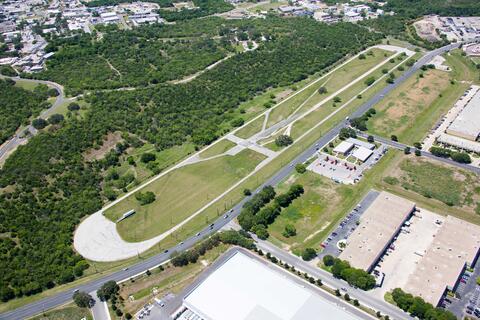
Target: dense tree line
column 461, row 157
column 204, row 8
column 18, row 105
column 418, row 308
column 227, row 237
column 47, row 186
column 356, row 277
column 256, row 218
column 127, row 59
column 99, row 3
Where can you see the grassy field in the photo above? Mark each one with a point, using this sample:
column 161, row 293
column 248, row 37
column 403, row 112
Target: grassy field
column 397, row 113
column 453, row 191
column 304, row 124
column 70, row 312
column 463, row 69
column 249, row 130
column 333, row 82
column 219, row 148
column 180, row 193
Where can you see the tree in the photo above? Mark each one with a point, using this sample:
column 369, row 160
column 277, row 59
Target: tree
column 406, row 150
column 300, row 168
column 394, row 137
column 322, row 90
column 148, row 157
column 283, row 140
column 73, row 106
column 370, row 139
column 417, row 145
column 418, row 153
column 461, row 157
column 347, row 297
column 145, row 198
column 108, row 290
column 55, row 118
column 82, row 299
column 328, row 260
column 308, row 254
column 247, row 192
column 289, row 231
column 369, row 81
column 337, row 99
column 39, row 123
column 238, row 122
column 346, row 133
column 260, row 231
column 53, row 93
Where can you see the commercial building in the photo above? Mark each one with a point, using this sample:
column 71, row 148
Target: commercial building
column 454, row 248
column 244, row 288
column 378, row 226
column 362, row 154
column 343, row 148
column 467, row 124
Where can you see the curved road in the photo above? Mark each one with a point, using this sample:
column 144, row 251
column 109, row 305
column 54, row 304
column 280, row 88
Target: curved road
column 140, row 267
column 19, row 138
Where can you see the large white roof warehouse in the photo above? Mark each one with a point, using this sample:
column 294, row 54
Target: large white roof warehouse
column 245, row 289
column 467, row 123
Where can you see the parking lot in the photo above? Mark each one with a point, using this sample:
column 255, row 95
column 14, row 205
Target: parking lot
column 341, row 170
column 467, row 295
column 402, row 257
column 347, row 226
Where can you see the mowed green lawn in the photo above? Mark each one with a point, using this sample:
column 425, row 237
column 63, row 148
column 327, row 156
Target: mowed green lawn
column 332, row 82
column 219, row 148
column 180, row 193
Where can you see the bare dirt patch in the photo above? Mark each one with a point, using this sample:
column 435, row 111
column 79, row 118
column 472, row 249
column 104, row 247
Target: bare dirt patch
column 109, row 142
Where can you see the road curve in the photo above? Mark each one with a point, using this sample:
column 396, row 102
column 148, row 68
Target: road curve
column 140, row 267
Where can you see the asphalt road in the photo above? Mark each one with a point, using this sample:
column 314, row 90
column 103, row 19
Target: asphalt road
column 364, row 297
column 402, row 146
column 140, row 267
column 19, row 138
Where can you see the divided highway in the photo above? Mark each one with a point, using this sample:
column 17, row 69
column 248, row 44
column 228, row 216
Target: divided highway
column 140, row 267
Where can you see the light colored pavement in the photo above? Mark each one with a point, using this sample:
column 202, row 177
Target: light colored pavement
column 99, row 309
column 402, row 146
column 65, row 296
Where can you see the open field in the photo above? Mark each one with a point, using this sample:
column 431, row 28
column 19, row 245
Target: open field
column 412, row 109
column 397, row 113
column 170, row 280
column 452, row 191
column 219, row 148
column 463, row 68
column 70, row 312
column 332, row 83
column 302, row 125
column 180, row 193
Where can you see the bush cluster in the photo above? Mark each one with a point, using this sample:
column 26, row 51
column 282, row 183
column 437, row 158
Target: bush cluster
column 460, row 157
column 355, row 277
column 417, row 307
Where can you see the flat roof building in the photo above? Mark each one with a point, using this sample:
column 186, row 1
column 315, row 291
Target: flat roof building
column 379, row 224
column 467, row 124
column 243, row 288
column 455, row 246
column 344, row 147
column 362, row 153
column 360, row 143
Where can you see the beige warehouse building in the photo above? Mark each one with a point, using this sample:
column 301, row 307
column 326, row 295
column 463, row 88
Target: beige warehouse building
column 455, row 247
column 380, row 223
column 467, row 124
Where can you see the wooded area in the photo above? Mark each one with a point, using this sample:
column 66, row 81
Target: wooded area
column 48, row 186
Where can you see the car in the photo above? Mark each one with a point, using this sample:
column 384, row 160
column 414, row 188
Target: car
column 198, row 233
column 125, row 269
column 166, row 251
column 468, row 311
column 75, row 291
column 463, row 281
column 181, row 243
column 231, row 210
column 225, row 216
